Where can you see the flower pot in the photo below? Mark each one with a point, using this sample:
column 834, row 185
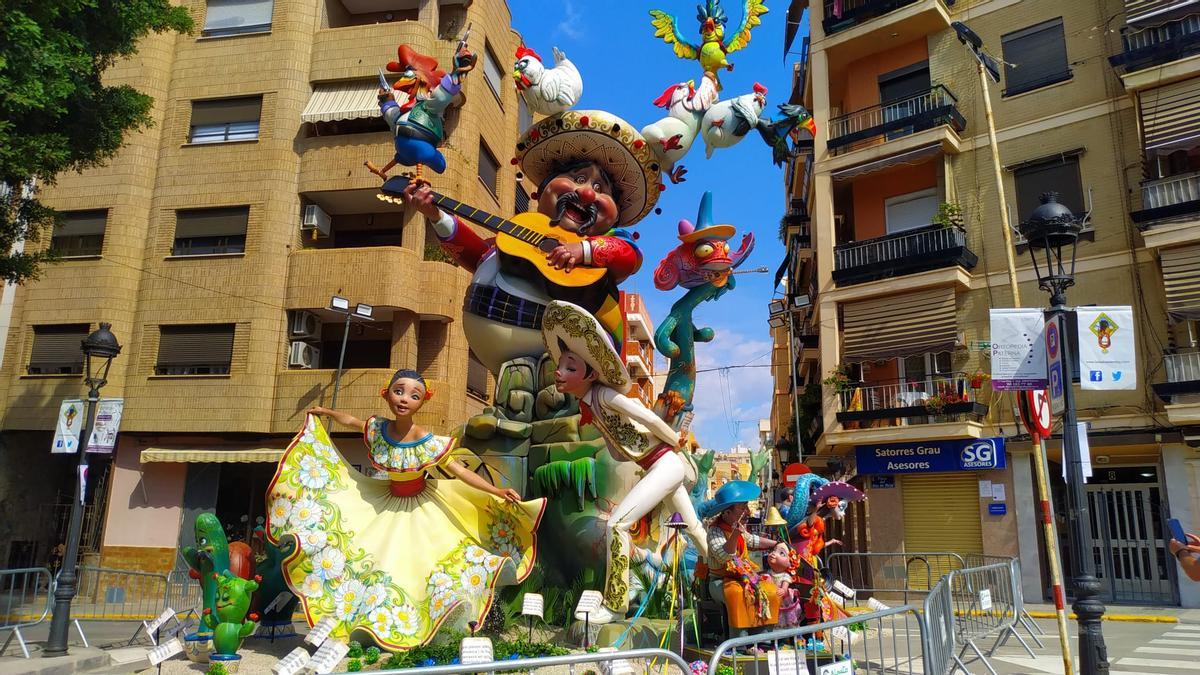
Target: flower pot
column 230, row 661
column 198, row 647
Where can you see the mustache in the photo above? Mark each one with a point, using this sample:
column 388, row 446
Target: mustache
column 572, row 199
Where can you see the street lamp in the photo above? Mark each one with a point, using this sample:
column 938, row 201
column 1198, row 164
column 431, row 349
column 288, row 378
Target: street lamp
column 99, row 349
column 1053, row 234
column 362, row 312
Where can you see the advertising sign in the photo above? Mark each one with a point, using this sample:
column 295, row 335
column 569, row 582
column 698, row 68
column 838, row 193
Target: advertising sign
column 1018, row 351
column 965, row 454
column 1055, row 330
column 1107, row 355
column 66, row 431
column 108, row 421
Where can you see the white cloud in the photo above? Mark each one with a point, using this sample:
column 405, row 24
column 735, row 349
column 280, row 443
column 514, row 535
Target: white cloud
column 723, row 399
column 572, row 23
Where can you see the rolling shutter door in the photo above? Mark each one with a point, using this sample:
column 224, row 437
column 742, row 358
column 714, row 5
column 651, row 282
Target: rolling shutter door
column 1181, row 280
column 1171, row 116
column 915, row 323
column 941, row 513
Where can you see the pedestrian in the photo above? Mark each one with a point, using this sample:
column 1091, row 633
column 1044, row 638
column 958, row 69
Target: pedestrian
column 1189, row 562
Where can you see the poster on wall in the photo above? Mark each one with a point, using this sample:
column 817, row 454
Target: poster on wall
column 66, row 431
column 103, row 438
column 1107, row 354
column 1018, row 350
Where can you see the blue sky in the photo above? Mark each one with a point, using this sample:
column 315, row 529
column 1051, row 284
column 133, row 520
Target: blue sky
column 624, row 69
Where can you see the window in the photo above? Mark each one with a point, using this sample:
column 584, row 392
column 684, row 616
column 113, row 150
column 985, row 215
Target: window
column 488, row 168
column 368, row 344
column 211, row 231
column 491, row 71
column 1060, row 175
column 900, row 94
column 910, row 211
column 452, row 20
column 80, row 234
column 237, row 17
column 225, row 120
column 477, row 376
column 520, row 199
column 57, row 349
column 922, row 366
column 195, row 350
column 524, row 117
column 1035, row 57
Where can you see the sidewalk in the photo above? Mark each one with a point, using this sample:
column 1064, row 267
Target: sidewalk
column 1043, row 610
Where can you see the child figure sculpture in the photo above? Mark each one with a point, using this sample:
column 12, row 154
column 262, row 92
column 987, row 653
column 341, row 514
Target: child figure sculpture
column 589, row 367
column 783, row 563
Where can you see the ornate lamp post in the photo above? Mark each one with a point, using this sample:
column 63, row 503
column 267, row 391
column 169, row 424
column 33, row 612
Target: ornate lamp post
column 99, row 349
column 1053, row 234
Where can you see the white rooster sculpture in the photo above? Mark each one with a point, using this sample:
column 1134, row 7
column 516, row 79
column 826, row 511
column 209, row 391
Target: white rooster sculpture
column 547, row 92
column 727, row 123
column 672, row 136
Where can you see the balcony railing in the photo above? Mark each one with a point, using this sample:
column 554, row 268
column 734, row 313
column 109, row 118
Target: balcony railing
column 895, row 119
column 1158, row 45
column 843, row 14
column 1183, row 375
column 1168, row 197
column 920, row 250
column 913, row 400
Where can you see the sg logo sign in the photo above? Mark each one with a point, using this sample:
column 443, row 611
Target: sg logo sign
column 979, row 455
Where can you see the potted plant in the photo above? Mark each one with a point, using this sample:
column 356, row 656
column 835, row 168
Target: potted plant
column 839, row 380
column 935, row 405
column 977, row 379
column 948, row 215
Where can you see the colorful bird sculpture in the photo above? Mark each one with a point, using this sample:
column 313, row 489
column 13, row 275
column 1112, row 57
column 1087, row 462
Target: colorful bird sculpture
column 671, row 137
column 713, row 48
column 776, row 133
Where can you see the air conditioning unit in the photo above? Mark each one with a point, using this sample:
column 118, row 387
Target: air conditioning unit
column 304, row 325
column 304, row 355
column 315, row 220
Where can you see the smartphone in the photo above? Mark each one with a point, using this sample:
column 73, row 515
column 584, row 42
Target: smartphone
column 1176, row 531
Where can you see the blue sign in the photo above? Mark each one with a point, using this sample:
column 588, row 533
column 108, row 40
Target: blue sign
column 997, row 509
column 967, row 454
column 879, row 482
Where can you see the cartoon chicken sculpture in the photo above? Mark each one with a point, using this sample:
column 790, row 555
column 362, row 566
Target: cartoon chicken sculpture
column 713, row 49
column 671, row 137
column 547, row 92
column 726, row 123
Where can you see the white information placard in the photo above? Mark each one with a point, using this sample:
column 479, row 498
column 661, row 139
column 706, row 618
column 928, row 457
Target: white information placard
column 1018, row 350
column 786, row 662
column 320, row 631
column 295, row 662
column 589, row 602
column 66, row 430
column 165, row 651
column 103, row 437
column 328, row 656
column 475, row 650
column 157, row 622
column 532, row 604
column 840, row 668
column 985, row 599
column 1107, row 351
column 844, row 589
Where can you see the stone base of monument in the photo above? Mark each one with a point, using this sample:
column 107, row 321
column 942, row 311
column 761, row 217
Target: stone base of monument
column 644, row 633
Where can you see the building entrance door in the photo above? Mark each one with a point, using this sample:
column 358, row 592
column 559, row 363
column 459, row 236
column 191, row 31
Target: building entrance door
column 1126, row 530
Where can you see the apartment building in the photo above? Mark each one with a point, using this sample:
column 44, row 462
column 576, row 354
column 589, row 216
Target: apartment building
column 214, row 244
column 896, row 253
column 638, row 350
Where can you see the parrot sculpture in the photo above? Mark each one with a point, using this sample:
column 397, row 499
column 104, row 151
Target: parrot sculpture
column 671, row 137
column 547, row 92
column 713, row 48
column 726, row 123
column 775, row 133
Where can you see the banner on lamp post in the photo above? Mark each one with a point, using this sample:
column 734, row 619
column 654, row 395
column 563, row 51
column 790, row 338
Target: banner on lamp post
column 1018, row 350
column 66, row 430
column 1107, row 353
column 103, row 438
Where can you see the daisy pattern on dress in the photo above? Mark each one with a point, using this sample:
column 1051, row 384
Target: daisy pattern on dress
column 348, row 598
column 440, row 580
column 374, row 596
column 306, row 513
column 475, row 554
column 313, row 540
column 473, row 579
column 440, row 603
column 281, row 508
column 329, row 563
column 313, row 475
column 406, row 619
column 381, row 620
column 314, row 586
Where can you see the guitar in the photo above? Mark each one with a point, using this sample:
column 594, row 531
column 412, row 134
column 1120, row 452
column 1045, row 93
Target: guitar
column 528, row 236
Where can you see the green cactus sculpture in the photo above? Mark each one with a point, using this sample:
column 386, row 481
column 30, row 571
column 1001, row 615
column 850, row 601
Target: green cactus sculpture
column 208, row 559
column 228, row 623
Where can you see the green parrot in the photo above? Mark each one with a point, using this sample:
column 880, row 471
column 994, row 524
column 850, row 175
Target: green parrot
column 208, row 559
column 712, row 50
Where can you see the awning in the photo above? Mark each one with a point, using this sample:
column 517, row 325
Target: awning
column 342, row 101
column 1181, row 279
column 1171, row 116
column 232, row 455
column 911, row 157
column 899, row 325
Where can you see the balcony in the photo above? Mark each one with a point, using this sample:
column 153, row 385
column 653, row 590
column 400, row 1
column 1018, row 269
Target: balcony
column 797, row 226
column 381, row 276
column 1168, row 198
column 1158, row 45
column 353, row 52
column 910, row 401
column 1181, row 391
column 864, row 27
column 909, row 252
column 639, row 360
column 895, row 119
column 320, row 154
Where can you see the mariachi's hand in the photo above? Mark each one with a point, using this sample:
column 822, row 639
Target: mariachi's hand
column 420, row 196
column 566, row 256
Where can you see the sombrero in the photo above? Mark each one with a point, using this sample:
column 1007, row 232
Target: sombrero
column 704, row 227
column 733, row 492
column 837, row 488
column 603, row 138
column 583, row 335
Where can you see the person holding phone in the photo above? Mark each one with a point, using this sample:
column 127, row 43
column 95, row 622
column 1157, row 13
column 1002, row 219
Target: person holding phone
column 1189, row 545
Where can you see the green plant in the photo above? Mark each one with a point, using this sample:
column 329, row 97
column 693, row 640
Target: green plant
column 839, row 380
column 371, row 656
column 354, row 666
column 356, row 650
column 948, row 215
column 216, row 669
column 977, row 379
column 725, row 670
column 435, row 253
column 935, row 405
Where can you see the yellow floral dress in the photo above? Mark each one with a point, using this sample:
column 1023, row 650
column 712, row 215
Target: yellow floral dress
column 399, row 558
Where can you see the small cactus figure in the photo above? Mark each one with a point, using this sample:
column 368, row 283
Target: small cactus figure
column 229, row 623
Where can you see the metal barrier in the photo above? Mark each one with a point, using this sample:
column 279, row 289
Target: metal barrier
column 887, row 641
column 107, row 594
column 1023, row 618
column 183, row 592
column 940, row 655
column 903, row 575
column 25, row 597
column 618, row 662
column 984, row 607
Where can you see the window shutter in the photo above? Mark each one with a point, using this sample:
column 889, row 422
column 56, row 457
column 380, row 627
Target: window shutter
column 477, row 375
column 1038, row 55
column 79, row 223
column 212, row 222
column 209, row 345
column 488, row 168
column 226, row 110
column 230, row 17
column 1171, row 117
column 57, row 348
column 491, row 71
column 1061, row 176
